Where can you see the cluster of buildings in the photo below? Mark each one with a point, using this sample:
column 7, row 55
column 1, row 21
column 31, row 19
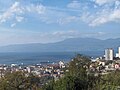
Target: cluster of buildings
column 109, row 54
column 109, row 62
column 101, row 66
column 106, row 64
column 41, row 70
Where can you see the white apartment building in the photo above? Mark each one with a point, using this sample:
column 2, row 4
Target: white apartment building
column 119, row 52
column 109, row 54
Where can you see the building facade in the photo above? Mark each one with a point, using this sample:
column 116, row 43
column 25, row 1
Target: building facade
column 119, row 52
column 109, row 54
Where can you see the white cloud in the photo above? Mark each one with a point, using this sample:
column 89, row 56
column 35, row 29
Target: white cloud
column 74, row 5
column 13, row 36
column 19, row 18
column 66, row 34
column 11, row 12
column 68, row 19
column 35, row 37
column 17, row 12
column 102, row 2
column 75, row 34
column 104, row 17
column 55, row 16
column 108, row 13
column 117, row 4
column 12, row 25
column 40, row 9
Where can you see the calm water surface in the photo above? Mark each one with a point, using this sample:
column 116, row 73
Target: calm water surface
column 34, row 58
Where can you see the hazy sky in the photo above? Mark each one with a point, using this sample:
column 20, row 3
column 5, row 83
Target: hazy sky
column 43, row 21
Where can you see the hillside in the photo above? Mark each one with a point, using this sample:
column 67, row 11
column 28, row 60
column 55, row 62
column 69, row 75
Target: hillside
column 73, row 44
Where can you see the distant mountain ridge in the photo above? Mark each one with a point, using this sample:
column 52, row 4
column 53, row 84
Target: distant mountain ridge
column 72, row 44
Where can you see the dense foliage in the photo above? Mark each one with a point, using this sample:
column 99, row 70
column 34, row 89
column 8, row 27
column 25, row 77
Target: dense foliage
column 18, row 81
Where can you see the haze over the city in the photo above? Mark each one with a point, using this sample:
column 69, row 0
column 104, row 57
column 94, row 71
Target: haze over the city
column 45, row 21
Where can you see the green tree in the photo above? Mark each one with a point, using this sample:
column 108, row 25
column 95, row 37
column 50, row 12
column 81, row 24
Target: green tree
column 76, row 78
column 19, row 81
column 12, row 81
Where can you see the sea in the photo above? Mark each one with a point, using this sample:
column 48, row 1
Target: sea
column 28, row 58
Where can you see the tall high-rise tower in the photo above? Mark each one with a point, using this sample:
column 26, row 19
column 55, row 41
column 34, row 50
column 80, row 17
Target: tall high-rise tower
column 109, row 54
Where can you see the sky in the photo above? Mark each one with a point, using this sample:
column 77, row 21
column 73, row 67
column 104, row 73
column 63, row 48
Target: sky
column 48, row 21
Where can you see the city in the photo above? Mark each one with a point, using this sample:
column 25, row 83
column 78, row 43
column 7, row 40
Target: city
column 59, row 44
column 99, row 66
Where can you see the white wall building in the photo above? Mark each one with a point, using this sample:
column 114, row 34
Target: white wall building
column 109, row 54
column 117, row 55
column 119, row 52
column 61, row 64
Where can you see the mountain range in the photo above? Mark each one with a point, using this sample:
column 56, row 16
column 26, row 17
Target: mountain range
column 72, row 44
